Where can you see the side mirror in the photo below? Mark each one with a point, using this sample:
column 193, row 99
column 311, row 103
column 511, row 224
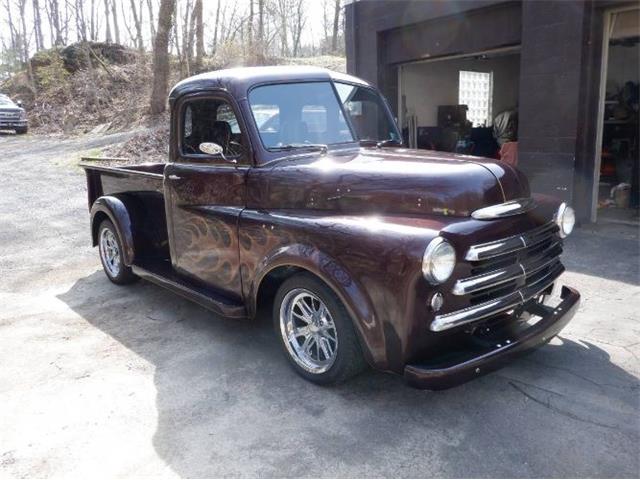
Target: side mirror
column 211, row 148
column 19, row 103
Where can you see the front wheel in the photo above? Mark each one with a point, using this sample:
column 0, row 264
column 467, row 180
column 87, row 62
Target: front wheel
column 22, row 130
column 316, row 331
column 110, row 247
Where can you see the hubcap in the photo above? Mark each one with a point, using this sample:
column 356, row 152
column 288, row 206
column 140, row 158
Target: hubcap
column 109, row 252
column 308, row 331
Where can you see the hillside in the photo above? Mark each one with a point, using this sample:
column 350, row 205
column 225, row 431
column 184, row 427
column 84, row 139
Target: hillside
column 98, row 87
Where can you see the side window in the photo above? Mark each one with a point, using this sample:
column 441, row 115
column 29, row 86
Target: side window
column 210, row 121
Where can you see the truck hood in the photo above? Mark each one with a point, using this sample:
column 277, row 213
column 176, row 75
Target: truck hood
column 386, row 180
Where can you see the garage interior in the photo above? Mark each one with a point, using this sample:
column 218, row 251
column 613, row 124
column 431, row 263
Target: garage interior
column 451, row 104
column 618, row 196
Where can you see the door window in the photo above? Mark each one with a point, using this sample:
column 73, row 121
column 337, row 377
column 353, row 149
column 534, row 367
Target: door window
column 210, row 121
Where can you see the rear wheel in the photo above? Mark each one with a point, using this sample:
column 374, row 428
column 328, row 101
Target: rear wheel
column 110, row 248
column 316, row 331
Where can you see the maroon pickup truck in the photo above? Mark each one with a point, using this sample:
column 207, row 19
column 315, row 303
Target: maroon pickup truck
column 290, row 185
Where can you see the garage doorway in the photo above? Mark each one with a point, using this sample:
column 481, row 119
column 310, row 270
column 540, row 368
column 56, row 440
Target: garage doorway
column 450, row 104
column 615, row 189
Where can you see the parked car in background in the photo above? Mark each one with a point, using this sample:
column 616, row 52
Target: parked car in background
column 291, row 186
column 12, row 115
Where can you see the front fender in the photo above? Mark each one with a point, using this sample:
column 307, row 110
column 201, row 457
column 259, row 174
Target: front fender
column 346, row 287
column 116, row 210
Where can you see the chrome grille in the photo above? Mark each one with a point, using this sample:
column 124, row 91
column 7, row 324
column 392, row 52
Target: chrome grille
column 9, row 114
column 505, row 273
column 505, row 266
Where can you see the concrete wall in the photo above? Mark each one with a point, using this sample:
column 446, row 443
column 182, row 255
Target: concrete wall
column 428, row 85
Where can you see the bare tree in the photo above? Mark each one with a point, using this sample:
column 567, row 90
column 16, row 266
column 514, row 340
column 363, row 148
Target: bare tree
column 261, row 38
column 298, row 21
column 197, row 12
column 161, row 57
column 217, row 25
column 283, row 16
column 22, row 4
column 114, row 15
column 152, row 27
column 336, row 26
column 107, row 34
column 137, row 21
column 81, row 23
column 12, row 29
column 55, row 26
column 37, row 25
column 93, row 28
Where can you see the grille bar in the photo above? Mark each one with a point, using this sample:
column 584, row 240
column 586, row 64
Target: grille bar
column 512, row 244
column 516, row 272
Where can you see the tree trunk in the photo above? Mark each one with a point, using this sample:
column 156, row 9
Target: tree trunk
column 152, row 27
column 262, row 47
column 12, row 28
column 106, row 19
column 137, row 20
column 215, row 30
column 81, row 24
column 336, row 25
column 37, row 25
column 161, row 57
column 250, row 27
column 114, row 15
column 284, row 47
column 22, row 4
column 93, row 30
column 56, row 30
column 199, row 35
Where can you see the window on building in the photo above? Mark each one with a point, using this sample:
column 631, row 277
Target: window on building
column 475, row 89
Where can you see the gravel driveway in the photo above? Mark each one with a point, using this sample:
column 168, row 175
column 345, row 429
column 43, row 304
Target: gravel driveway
column 102, row 380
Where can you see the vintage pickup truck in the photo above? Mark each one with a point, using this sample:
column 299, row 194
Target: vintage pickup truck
column 290, row 186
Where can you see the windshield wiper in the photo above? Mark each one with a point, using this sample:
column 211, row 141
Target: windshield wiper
column 295, row 146
column 379, row 143
column 387, row 142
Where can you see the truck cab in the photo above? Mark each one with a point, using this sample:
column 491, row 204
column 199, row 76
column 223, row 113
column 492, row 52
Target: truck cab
column 291, row 185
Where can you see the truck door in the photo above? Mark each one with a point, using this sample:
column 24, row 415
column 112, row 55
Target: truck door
column 205, row 191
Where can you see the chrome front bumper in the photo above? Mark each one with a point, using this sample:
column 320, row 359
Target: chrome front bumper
column 448, row 372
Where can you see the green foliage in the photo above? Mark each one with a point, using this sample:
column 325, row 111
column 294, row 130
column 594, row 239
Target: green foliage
column 49, row 70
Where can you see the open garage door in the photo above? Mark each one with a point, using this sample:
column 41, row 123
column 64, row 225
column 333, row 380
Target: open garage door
column 465, row 104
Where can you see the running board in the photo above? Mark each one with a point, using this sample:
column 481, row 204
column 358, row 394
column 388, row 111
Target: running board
column 161, row 273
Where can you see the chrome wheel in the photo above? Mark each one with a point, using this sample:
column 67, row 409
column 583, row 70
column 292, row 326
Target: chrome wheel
column 110, row 252
column 308, row 331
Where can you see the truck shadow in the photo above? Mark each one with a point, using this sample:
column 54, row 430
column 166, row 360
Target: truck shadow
column 229, row 405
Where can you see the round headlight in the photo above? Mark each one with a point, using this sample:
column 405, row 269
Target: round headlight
column 566, row 219
column 438, row 261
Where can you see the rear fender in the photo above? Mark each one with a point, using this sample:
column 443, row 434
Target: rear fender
column 349, row 291
column 115, row 210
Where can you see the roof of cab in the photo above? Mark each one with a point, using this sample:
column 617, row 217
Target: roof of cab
column 238, row 81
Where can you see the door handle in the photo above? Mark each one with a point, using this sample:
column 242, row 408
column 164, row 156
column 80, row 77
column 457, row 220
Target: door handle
column 175, row 177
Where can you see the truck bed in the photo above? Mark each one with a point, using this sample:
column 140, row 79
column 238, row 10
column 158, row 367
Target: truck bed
column 108, row 176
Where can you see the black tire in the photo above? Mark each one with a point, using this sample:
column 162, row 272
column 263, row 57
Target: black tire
column 349, row 360
column 124, row 274
column 22, row 131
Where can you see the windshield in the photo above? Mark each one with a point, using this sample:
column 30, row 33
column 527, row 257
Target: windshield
column 299, row 114
column 368, row 113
